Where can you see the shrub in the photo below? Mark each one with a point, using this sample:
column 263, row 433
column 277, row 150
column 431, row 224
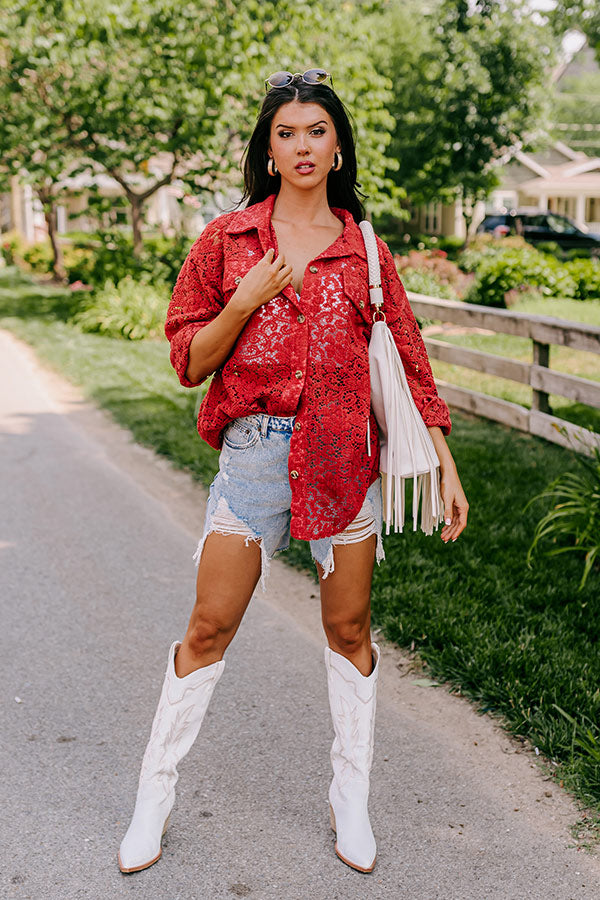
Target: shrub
column 574, row 516
column 510, row 269
column 452, row 244
column 586, row 275
column 108, row 256
column 486, row 245
column 13, row 247
column 39, row 257
column 129, row 309
column 422, row 281
column 437, row 263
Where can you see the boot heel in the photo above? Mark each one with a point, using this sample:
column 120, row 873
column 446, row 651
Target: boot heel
column 165, row 825
column 332, row 818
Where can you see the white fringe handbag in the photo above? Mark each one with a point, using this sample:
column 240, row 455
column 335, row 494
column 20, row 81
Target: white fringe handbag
column 407, row 450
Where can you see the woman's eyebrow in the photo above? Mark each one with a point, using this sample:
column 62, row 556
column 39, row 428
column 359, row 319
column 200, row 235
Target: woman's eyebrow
column 291, row 127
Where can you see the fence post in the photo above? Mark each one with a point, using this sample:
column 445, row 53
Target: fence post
column 541, row 357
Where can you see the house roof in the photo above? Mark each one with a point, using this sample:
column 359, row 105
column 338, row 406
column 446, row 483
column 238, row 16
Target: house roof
column 560, row 183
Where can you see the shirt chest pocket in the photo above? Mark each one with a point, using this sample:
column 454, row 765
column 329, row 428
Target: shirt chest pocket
column 233, row 272
column 356, row 289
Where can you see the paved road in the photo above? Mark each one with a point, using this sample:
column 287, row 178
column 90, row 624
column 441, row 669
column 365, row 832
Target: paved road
column 96, row 579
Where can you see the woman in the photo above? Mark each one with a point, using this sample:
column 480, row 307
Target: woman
column 274, row 300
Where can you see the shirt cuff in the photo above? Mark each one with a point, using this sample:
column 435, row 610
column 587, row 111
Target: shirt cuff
column 180, row 351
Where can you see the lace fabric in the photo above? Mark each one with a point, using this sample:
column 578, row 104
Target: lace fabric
column 305, row 356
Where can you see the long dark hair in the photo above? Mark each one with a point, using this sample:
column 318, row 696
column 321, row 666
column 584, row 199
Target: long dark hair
column 342, row 186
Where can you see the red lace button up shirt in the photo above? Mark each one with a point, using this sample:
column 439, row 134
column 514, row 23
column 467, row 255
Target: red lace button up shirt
column 305, row 357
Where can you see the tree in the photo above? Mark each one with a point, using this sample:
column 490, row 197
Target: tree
column 578, row 15
column 467, row 87
column 576, row 112
column 123, row 84
column 27, row 132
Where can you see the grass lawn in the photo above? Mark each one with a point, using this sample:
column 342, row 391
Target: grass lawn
column 562, row 359
column 519, row 642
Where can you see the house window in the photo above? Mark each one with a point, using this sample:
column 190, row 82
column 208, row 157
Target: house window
column 565, row 206
column 592, row 209
column 432, row 218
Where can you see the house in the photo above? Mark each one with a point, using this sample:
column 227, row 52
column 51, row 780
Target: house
column 169, row 209
column 559, row 179
column 556, row 178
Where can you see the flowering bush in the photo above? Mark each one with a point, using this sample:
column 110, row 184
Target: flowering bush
column 435, row 263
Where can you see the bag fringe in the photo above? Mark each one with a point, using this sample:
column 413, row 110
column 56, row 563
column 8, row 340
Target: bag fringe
column 407, row 450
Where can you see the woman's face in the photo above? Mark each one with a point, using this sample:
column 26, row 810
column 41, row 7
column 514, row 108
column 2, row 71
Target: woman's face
column 303, row 142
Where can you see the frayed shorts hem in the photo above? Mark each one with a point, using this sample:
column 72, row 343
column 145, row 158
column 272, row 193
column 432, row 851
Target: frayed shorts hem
column 256, row 444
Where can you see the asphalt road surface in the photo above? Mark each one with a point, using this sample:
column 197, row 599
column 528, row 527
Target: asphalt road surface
column 96, row 580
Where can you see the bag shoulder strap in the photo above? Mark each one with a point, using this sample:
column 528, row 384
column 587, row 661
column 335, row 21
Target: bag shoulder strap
column 375, row 291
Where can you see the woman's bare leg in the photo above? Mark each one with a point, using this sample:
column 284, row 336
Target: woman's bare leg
column 227, row 575
column 346, row 602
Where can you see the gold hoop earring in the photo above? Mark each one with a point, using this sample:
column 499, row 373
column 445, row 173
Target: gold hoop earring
column 337, row 161
column 271, row 167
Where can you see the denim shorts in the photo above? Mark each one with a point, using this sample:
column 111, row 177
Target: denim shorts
column 251, row 494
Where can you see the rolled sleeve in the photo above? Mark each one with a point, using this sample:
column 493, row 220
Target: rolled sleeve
column 197, row 297
column 411, row 347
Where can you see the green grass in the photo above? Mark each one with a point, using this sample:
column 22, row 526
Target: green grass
column 519, row 642
column 562, row 359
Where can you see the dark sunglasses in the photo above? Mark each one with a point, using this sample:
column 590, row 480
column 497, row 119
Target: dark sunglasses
column 311, row 76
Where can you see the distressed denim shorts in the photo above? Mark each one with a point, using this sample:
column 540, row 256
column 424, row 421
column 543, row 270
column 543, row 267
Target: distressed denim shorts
column 251, row 494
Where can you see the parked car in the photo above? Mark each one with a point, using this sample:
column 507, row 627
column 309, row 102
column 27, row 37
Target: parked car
column 536, row 227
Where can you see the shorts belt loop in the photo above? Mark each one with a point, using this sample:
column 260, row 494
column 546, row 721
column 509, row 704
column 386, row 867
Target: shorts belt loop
column 264, row 425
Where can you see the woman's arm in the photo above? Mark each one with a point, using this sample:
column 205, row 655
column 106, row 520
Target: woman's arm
column 210, row 347
column 455, row 501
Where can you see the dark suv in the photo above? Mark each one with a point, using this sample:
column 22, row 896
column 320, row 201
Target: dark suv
column 536, row 227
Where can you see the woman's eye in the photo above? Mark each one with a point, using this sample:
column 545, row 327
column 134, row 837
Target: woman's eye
column 284, row 134
column 318, row 131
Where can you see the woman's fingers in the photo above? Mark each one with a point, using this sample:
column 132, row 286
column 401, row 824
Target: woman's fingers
column 286, row 275
column 455, row 516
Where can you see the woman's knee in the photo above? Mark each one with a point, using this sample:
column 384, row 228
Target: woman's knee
column 347, row 635
column 207, row 633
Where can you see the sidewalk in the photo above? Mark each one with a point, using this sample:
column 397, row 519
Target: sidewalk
column 96, row 580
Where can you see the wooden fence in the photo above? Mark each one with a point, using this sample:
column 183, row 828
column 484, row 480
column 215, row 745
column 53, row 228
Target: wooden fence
column 543, row 331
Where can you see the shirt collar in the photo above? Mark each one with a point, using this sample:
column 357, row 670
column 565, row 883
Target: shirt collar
column 258, row 216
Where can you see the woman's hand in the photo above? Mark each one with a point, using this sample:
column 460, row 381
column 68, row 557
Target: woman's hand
column 211, row 345
column 455, row 504
column 455, row 501
column 262, row 282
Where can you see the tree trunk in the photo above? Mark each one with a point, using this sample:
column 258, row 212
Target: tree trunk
column 58, row 268
column 467, row 212
column 136, row 222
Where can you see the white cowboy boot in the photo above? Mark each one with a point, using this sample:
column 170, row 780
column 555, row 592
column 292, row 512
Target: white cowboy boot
column 352, row 698
column 181, row 708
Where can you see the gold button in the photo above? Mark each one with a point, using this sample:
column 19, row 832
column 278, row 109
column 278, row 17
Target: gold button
column 298, row 374
column 362, row 304
column 237, row 279
column 293, row 474
column 297, row 426
column 313, row 269
column 301, row 318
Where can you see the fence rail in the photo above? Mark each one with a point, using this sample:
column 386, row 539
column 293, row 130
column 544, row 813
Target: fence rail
column 543, row 331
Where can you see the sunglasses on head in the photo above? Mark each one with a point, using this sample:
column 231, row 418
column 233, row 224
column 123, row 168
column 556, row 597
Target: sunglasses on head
column 311, row 76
